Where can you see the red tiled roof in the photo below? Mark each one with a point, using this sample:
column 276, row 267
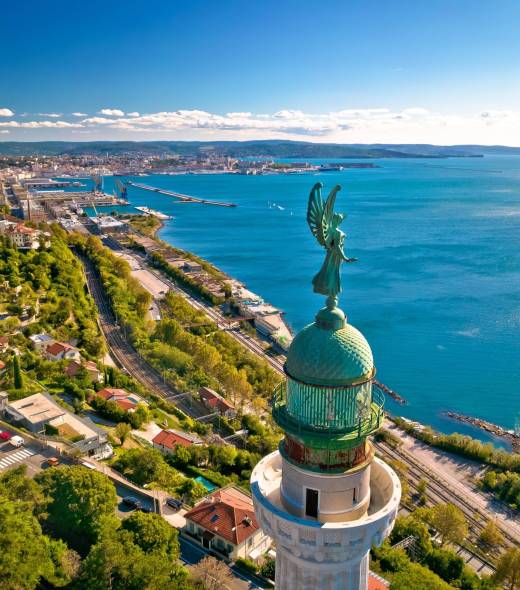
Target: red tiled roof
column 57, row 347
column 171, row 439
column 4, row 340
column 109, row 392
column 375, row 583
column 227, row 513
column 125, row 404
column 213, row 399
column 2, row 365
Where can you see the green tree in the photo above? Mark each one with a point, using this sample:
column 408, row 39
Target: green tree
column 17, row 373
column 122, row 431
column 268, row 568
column 153, row 534
column 80, row 501
column 508, row 569
column 491, row 535
column 116, row 562
column 447, row 564
column 212, row 574
column 24, row 555
column 417, row 577
column 450, row 523
column 192, row 490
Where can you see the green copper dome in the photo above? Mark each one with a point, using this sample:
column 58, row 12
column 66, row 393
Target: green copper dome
column 330, row 352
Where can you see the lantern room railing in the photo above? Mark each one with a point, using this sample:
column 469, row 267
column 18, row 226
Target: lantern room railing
column 330, row 412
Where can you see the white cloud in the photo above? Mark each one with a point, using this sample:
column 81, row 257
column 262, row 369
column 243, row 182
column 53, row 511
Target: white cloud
column 414, row 124
column 52, row 115
column 3, row 131
column 78, row 114
column 39, row 124
column 112, row 112
column 6, row 113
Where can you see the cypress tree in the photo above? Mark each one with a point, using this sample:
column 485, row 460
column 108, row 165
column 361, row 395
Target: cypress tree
column 17, row 373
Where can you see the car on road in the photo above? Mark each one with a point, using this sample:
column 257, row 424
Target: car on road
column 174, row 503
column 132, row 502
column 16, row 441
column 52, row 461
column 5, row 435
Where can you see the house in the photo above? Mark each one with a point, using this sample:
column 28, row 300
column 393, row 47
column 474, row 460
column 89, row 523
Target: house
column 74, row 367
column 40, row 410
column 214, row 401
column 2, row 367
column 41, row 341
column 168, row 440
column 190, row 266
column 225, row 523
column 4, row 343
column 59, row 351
column 125, row 400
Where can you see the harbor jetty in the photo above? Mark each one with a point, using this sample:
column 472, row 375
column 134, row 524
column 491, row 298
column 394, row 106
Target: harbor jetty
column 511, row 436
column 390, row 392
column 180, row 196
column 153, row 213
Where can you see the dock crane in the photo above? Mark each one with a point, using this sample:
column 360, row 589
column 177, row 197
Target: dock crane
column 98, row 183
column 122, row 188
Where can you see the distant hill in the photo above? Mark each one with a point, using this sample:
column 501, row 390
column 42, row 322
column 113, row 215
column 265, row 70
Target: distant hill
column 244, row 149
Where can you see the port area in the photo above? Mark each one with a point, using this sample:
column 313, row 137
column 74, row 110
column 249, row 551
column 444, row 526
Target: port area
column 180, row 196
column 153, row 213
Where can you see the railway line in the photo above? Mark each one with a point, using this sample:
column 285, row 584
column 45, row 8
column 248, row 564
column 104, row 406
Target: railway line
column 439, row 491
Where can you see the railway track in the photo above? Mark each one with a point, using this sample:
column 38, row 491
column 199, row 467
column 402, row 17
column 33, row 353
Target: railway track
column 439, row 491
column 125, row 355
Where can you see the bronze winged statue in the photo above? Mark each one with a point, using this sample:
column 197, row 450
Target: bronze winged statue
column 324, row 224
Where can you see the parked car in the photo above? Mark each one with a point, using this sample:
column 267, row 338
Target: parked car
column 174, row 503
column 52, row 461
column 17, row 441
column 132, row 502
column 144, row 508
column 5, row 435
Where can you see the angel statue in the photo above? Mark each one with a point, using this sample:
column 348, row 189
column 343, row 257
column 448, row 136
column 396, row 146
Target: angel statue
column 324, row 224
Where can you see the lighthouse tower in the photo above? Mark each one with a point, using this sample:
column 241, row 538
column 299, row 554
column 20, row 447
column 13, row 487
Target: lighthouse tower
column 323, row 497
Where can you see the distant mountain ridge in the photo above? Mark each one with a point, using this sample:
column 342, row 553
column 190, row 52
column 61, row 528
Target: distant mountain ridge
column 259, row 148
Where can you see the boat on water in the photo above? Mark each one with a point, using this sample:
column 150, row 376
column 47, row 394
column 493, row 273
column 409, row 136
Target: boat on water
column 153, row 213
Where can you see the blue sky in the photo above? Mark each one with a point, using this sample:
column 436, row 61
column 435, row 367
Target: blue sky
column 444, row 71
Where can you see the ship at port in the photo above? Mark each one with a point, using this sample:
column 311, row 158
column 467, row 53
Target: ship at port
column 153, row 213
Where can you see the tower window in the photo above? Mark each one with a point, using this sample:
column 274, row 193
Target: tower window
column 311, row 503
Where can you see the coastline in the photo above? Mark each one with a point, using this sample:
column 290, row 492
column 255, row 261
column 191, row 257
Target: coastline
column 483, row 426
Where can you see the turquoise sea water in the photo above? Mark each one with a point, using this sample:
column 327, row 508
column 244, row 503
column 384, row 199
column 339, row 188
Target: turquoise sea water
column 436, row 290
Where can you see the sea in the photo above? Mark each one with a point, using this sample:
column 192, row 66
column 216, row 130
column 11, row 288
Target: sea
column 436, row 289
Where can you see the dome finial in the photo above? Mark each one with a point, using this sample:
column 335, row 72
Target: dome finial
column 324, row 224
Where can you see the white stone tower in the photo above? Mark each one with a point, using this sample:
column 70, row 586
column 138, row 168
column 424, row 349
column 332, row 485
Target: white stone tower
column 323, row 497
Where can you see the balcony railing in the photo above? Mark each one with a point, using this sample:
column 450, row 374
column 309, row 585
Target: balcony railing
column 367, row 420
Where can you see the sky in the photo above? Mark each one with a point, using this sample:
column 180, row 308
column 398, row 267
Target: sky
column 347, row 71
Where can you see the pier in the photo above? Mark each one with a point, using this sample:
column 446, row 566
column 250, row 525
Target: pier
column 512, row 437
column 180, row 196
column 390, row 392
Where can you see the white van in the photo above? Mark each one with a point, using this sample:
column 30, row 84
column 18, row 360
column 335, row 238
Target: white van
column 17, row 441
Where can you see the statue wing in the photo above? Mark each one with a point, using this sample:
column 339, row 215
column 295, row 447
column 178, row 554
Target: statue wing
column 320, row 214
